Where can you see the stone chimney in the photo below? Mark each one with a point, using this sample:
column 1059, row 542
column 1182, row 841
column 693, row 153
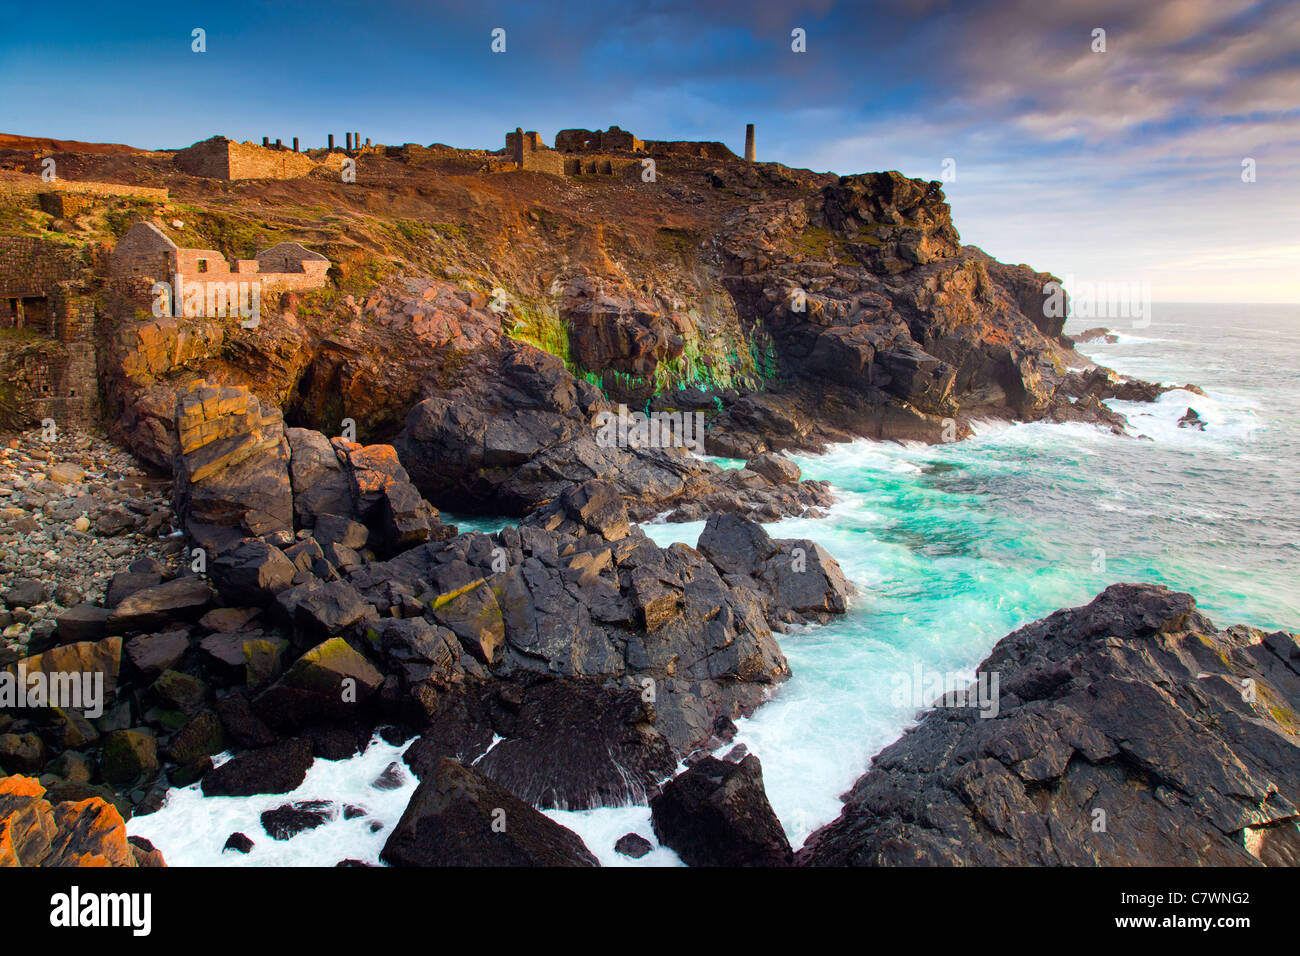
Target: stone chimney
column 749, row 143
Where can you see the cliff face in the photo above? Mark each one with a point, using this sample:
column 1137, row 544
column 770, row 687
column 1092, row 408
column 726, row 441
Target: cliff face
column 789, row 308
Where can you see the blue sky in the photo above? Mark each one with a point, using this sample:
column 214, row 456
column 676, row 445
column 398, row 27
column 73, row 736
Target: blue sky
column 1123, row 165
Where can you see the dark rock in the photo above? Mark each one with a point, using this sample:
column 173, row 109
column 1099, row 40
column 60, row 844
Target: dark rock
column 151, row 654
column 151, row 608
column 201, row 737
column 278, row 768
column 84, row 622
column 328, row 683
column 633, row 845
column 392, row 778
column 126, row 583
column 174, row 690
column 22, row 753
column 458, row 818
column 238, row 842
column 327, row 610
column 253, row 573
column 1096, row 335
column 129, row 757
column 289, row 820
column 25, row 593
column 1126, row 732
column 336, row 529
column 716, row 814
column 577, row 745
column 241, row 724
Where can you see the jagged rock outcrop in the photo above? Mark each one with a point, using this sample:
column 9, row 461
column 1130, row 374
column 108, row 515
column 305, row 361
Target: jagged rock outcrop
column 715, row 813
column 460, row 818
column 35, row 831
column 239, row 473
column 1130, row 731
column 517, row 445
column 657, row 642
column 232, row 466
column 885, row 325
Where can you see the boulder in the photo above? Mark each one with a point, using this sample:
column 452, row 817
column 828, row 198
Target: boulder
column 184, row 599
column 129, row 757
column 83, row 622
column 22, row 753
column 473, row 615
column 459, row 818
column 279, row 768
column 775, row 468
column 125, row 583
column 237, row 842
column 288, row 820
column 85, row 658
column 319, row 483
column 231, row 472
column 34, row 831
column 252, row 574
column 151, row 654
column 716, row 813
column 633, row 845
column 26, row 592
column 330, row 683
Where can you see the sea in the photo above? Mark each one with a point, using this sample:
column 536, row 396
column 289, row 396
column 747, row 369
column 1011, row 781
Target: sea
column 950, row 548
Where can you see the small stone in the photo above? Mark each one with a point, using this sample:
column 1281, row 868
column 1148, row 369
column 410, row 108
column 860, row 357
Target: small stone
column 633, row 845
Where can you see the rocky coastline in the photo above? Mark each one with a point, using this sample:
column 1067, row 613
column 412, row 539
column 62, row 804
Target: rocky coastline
column 244, row 576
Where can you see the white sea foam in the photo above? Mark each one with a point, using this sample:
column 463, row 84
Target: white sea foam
column 191, row 829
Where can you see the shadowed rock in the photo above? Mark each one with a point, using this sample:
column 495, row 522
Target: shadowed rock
column 458, row 818
column 1129, row 731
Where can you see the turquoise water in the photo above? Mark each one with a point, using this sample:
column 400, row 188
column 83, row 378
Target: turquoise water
column 953, row 546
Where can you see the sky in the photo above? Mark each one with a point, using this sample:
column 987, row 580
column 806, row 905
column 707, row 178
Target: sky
column 1122, row 164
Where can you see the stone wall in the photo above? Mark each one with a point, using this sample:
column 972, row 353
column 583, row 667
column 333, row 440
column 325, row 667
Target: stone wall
column 529, row 152
column 701, row 150
column 48, row 369
column 23, row 189
column 144, row 251
column 600, row 165
column 65, row 205
column 588, row 141
column 221, row 158
column 31, row 266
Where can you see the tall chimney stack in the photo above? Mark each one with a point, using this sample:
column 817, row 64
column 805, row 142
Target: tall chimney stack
column 749, row 143
column 347, row 139
column 331, row 146
column 295, row 144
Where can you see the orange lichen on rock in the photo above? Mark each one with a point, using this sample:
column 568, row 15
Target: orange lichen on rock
column 83, row 833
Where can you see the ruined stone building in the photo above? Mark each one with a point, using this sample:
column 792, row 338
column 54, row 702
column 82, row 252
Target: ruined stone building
column 147, row 253
column 48, row 367
column 528, row 151
column 221, row 158
column 587, row 141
